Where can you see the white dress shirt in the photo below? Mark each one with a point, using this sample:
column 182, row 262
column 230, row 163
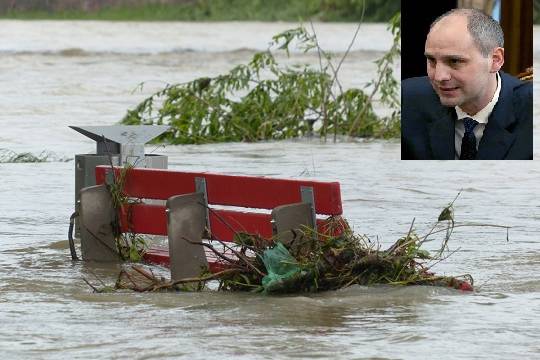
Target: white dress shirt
column 481, row 116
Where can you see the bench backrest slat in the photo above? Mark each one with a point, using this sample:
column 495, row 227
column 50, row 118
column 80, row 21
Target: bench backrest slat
column 228, row 190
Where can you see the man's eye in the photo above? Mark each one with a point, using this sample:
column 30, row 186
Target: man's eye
column 455, row 61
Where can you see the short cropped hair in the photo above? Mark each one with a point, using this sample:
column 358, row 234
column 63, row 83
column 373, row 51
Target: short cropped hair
column 487, row 34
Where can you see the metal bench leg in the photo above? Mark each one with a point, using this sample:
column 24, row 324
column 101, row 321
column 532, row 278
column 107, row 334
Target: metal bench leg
column 186, row 219
column 96, row 218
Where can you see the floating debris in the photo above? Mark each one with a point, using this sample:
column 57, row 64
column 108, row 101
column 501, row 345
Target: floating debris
column 313, row 263
column 10, row 156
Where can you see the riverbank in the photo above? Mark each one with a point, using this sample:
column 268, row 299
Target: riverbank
column 215, row 10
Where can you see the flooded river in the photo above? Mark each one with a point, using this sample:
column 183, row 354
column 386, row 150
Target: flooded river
column 55, row 74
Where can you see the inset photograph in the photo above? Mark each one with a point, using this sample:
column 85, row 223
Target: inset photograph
column 467, row 91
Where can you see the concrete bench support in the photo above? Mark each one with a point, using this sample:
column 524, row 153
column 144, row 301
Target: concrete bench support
column 96, row 218
column 186, row 219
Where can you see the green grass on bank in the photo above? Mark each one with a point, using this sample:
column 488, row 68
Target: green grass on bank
column 229, row 10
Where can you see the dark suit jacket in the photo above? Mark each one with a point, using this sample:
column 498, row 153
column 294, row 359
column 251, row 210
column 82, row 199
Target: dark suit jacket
column 427, row 127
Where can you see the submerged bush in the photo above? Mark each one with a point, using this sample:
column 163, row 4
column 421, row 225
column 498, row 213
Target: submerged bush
column 263, row 100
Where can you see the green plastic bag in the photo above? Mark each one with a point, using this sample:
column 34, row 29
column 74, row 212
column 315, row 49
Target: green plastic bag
column 280, row 266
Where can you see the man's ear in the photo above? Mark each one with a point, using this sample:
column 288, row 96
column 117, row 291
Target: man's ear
column 497, row 59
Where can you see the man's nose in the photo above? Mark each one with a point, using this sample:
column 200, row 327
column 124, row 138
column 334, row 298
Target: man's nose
column 441, row 73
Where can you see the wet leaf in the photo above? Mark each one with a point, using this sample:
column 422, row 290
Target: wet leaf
column 447, row 214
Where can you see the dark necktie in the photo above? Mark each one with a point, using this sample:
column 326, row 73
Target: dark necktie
column 468, row 143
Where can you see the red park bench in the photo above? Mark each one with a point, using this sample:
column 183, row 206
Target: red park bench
column 222, row 204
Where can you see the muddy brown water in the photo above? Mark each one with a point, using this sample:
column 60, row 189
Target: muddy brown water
column 55, row 74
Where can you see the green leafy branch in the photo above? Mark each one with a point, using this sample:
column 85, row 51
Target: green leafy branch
column 263, row 100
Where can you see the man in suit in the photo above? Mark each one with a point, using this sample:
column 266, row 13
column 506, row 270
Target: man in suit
column 466, row 108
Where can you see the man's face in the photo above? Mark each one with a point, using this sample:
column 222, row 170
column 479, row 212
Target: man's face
column 457, row 70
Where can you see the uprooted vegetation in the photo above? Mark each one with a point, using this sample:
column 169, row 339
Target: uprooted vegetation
column 308, row 266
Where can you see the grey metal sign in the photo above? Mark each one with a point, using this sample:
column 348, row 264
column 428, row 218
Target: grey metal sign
column 126, row 140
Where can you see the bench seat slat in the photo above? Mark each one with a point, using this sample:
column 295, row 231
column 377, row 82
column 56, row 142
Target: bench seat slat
column 229, row 190
column 158, row 255
column 152, row 219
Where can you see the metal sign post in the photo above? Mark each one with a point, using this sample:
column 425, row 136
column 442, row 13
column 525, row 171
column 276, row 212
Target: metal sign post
column 116, row 145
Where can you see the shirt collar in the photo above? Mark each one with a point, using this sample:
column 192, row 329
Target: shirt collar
column 483, row 115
